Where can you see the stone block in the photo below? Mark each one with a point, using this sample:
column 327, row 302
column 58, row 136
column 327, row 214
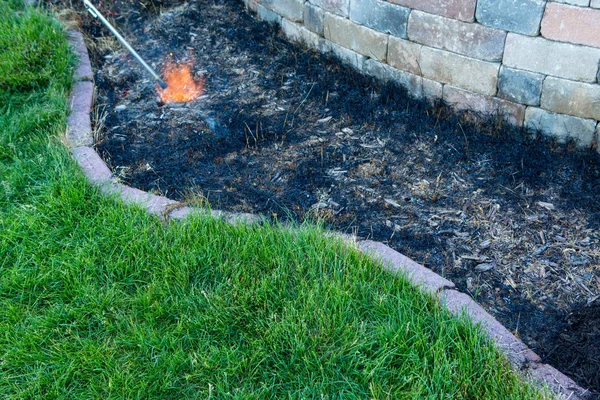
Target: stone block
column 92, row 166
column 381, row 16
column 472, row 40
column 562, row 127
column 79, row 129
column 417, row 86
column 343, row 54
column 397, row 263
column 432, row 90
column 298, row 33
column 581, row 3
column 464, row 100
column 83, row 70
column 595, row 4
column 574, row 98
column 521, row 16
column 551, row 58
column 82, row 96
column 268, row 16
column 339, row 7
column 557, row 381
column 456, row 70
column 252, row 5
column 463, row 10
column 313, row 18
column 516, row 351
column 404, row 55
column 290, row 9
column 567, row 23
column 376, row 69
column 355, row 37
column 520, row 86
column 153, row 204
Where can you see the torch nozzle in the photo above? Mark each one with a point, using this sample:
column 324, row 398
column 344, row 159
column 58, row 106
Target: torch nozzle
column 96, row 14
column 162, row 84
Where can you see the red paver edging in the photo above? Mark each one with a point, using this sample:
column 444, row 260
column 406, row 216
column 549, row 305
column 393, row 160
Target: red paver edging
column 80, row 139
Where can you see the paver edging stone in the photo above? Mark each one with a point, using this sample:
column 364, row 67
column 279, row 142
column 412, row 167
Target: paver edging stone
column 98, row 173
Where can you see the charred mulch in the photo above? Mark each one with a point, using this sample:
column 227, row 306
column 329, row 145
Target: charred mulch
column 281, row 131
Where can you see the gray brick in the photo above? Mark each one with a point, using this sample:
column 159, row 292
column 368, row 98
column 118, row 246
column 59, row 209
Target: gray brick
column 521, row 16
column 562, row 127
column 290, row 9
column 583, row 3
column 573, row 98
column 516, row 351
column 559, row 383
column 464, row 100
column 339, row 7
column 520, row 86
column 343, row 54
column 376, row 69
column 313, row 18
column 298, row 33
column 399, row 264
column 551, row 58
column 472, row 40
column 595, row 4
column 268, row 15
column 416, row 85
column 381, row 16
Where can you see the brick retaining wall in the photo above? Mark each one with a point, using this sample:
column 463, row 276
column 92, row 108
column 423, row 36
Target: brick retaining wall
column 533, row 62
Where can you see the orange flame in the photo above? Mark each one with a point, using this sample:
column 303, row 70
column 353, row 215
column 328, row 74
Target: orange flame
column 181, row 86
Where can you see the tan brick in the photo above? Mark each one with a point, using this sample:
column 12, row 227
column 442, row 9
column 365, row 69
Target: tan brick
column 469, row 39
column 564, row 60
column 355, row 37
column 464, row 72
column 463, row 10
column 573, row 98
column 571, row 24
column 404, row 55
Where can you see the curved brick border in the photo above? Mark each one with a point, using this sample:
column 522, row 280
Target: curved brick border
column 80, row 139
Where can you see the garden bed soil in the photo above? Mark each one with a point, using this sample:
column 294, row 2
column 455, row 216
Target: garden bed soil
column 293, row 135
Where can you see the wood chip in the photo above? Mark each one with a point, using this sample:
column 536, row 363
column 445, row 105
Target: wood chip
column 324, row 120
column 547, row 206
column 484, row 267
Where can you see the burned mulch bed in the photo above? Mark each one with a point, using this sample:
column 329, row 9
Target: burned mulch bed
column 291, row 134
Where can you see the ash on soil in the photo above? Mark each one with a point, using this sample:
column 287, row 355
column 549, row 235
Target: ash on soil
column 511, row 219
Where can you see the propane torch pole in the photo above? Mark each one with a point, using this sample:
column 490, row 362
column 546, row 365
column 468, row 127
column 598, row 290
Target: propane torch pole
column 96, row 14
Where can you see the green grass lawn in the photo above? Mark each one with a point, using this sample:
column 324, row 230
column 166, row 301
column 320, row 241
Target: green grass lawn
column 99, row 300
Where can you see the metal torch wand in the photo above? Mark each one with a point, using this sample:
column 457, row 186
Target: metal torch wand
column 96, row 14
